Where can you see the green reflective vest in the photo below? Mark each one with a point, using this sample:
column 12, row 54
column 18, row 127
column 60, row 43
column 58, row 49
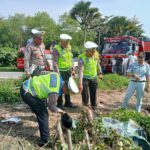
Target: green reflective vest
column 90, row 66
column 65, row 58
column 42, row 86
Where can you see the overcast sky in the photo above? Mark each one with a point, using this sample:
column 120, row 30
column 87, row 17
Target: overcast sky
column 55, row 8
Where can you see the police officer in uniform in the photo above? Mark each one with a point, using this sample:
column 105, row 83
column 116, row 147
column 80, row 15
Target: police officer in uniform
column 35, row 92
column 34, row 54
column 63, row 64
column 139, row 73
column 89, row 68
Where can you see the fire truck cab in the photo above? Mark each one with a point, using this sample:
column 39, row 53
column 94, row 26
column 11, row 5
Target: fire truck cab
column 119, row 45
column 146, row 48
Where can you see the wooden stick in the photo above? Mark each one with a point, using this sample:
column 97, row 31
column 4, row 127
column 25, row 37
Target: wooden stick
column 69, row 139
column 87, row 139
column 5, row 137
column 90, row 114
column 61, row 135
column 22, row 147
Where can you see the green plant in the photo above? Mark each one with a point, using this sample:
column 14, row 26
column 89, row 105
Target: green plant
column 98, row 137
column 112, row 82
column 141, row 119
column 7, row 56
column 9, row 93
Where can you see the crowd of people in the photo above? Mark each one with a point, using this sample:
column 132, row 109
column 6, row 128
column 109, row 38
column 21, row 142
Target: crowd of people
column 46, row 89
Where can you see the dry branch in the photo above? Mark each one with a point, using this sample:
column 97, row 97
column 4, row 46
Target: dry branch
column 69, row 139
column 87, row 139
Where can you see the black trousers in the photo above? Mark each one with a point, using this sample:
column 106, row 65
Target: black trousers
column 65, row 75
column 38, row 106
column 89, row 86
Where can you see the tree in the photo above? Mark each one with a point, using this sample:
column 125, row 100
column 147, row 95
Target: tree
column 120, row 25
column 43, row 21
column 70, row 26
column 86, row 16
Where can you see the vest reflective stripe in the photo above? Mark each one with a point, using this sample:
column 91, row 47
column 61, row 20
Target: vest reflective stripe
column 90, row 66
column 43, row 85
column 65, row 58
column 31, row 88
column 88, row 77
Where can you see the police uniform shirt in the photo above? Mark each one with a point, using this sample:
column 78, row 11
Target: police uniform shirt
column 33, row 55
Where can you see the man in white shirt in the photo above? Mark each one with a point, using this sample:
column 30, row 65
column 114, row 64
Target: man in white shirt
column 132, row 59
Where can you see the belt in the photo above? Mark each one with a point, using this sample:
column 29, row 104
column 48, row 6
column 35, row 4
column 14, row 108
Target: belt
column 137, row 81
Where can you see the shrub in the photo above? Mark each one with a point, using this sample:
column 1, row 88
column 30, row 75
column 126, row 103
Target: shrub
column 141, row 119
column 8, row 56
column 8, row 91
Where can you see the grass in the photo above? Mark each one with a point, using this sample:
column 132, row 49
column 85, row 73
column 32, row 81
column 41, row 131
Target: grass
column 10, row 69
column 8, row 92
column 113, row 82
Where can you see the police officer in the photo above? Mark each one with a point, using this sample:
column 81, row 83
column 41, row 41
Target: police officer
column 89, row 68
column 139, row 73
column 34, row 53
column 63, row 64
column 36, row 90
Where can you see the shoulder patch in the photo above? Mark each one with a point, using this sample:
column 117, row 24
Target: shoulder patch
column 53, row 80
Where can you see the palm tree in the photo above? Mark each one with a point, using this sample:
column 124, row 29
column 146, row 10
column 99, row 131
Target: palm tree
column 86, row 16
column 120, row 26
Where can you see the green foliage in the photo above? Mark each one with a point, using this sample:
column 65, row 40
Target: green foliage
column 83, row 23
column 42, row 21
column 8, row 56
column 120, row 25
column 112, row 82
column 84, row 14
column 97, row 136
column 88, row 18
column 8, row 91
column 141, row 119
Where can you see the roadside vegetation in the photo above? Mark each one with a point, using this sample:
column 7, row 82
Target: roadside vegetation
column 10, row 69
column 83, row 22
column 98, row 135
column 113, row 82
column 9, row 89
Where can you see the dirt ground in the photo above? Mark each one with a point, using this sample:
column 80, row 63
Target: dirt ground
column 24, row 135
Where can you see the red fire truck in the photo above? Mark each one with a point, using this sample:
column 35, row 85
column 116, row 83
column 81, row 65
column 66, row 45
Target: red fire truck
column 119, row 45
column 146, row 47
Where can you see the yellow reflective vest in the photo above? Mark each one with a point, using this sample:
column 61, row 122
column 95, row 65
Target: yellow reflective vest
column 42, row 86
column 90, row 66
column 65, row 58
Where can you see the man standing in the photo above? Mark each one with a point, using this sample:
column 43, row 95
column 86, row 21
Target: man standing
column 132, row 59
column 34, row 53
column 124, row 64
column 139, row 73
column 89, row 68
column 119, row 61
column 35, row 92
column 63, row 64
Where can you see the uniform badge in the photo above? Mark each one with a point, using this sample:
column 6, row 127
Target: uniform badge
column 53, row 80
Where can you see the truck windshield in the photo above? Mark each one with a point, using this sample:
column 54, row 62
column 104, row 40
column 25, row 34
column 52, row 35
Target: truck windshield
column 116, row 47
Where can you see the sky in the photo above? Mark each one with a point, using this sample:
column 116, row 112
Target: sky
column 55, row 8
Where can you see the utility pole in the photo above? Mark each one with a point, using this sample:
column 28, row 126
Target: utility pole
column 99, row 39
